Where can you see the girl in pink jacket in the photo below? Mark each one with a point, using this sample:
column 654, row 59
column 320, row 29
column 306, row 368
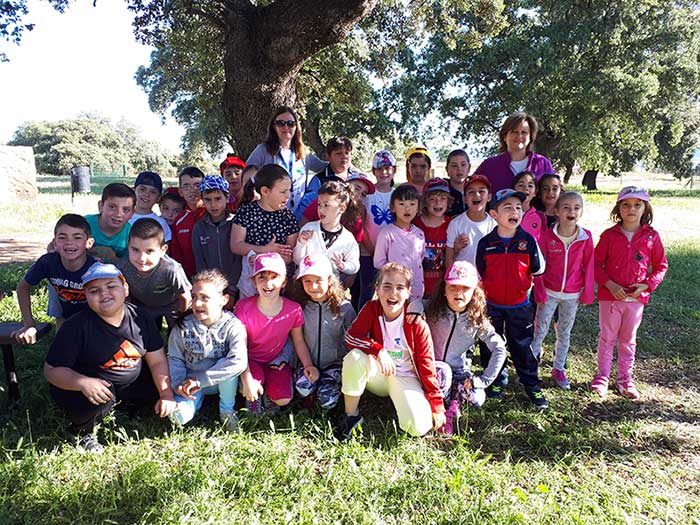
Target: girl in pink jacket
column 567, row 281
column 629, row 264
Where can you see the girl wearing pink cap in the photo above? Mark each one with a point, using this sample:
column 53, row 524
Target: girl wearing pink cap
column 630, row 263
column 269, row 320
column 456, row 315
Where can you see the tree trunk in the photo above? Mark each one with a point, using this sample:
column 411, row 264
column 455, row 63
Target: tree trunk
column 265, row 48
column 312, row 135
column 589, row 179
column 569, row 166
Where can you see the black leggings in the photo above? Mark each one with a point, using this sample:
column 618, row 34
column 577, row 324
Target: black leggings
column 83, row 415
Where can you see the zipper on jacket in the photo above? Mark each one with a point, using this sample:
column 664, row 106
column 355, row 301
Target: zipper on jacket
column 318, row 346
column 449, row 337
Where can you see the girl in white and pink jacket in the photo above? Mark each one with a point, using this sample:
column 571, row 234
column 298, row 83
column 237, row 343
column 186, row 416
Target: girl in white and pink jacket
column 568, row 280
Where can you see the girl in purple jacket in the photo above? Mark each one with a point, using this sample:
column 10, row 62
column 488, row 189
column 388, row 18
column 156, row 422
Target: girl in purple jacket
column 629, row 264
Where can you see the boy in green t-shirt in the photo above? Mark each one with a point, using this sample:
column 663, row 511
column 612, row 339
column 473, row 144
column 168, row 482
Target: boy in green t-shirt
column 110, row 227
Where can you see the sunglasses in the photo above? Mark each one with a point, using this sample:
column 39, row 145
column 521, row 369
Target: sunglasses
column 283, row 123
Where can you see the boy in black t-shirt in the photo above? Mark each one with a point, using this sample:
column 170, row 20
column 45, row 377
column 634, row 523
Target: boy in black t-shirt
column 95, row 359
column 64, row 269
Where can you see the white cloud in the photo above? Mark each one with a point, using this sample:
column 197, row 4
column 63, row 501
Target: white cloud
column 83, row 60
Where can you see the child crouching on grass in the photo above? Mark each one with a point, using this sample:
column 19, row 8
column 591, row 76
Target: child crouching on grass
column 391, row 357
column 207, row 351
column 456, row 315
column 269, row 319
column 327, row 315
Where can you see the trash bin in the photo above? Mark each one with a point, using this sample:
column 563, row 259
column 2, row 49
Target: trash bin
column 80, row 179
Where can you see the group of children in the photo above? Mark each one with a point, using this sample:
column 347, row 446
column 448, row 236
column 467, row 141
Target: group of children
column 257, row 304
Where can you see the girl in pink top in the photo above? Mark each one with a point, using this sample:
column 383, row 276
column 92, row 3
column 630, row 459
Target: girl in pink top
column 402, row 242
column 630, row 263
column 534, row 222
column 269, row 320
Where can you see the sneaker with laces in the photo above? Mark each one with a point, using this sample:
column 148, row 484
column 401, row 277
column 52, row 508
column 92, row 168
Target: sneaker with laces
column 230, row 420
column 599, row 385
column 495, row 392
column 254, row 407
column 629, row 391
column 346, row 426
column 89, row 443
column 537, row 396
column 559, row 377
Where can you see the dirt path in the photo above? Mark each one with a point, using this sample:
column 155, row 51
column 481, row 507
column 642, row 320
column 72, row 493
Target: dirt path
column 13, row 250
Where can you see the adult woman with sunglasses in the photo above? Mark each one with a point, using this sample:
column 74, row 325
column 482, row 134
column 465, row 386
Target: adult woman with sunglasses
column 283, row 146
column 517, row 141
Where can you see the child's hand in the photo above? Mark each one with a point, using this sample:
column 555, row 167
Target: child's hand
column 386, row 364
column 337, row 261
column 467, row 385
column 461, row 241
column 311, row 373
column 413, row 318
column 252, row 388
column 638, row 289
column 304, row 237
column 95, row 390
column 616, row 290
column 274, row 247
column 165, row 407
column 188, row 388
column 25, row 336
column 439, row 420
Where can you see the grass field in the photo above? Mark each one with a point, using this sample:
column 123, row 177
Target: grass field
column 584, row 461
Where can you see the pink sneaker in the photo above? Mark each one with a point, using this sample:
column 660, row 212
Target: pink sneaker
column 629, row 391
column 451, row 413
column 599, row 385
column 559, row 377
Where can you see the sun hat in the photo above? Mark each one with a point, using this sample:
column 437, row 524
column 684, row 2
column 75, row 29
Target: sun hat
column 315, row 264
column 101, row 271
column 462, row 273
column 213, row 182
column 149, row 178
column 383, row 159
column 633, row 192
column 502, row 195
column 230, row 161
column 269, row 262
column 478, row 178
column 418, row 149
column 362, row 178
column 436, row 185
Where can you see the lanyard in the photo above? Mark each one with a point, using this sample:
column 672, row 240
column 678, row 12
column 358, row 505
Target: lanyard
column 289, row 170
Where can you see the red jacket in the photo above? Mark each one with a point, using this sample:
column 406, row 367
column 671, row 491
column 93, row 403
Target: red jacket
column 365, row 334
column 641, row 260
column 181, row 242
column 569, row 270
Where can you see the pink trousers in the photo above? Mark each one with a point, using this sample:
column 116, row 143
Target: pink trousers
column 619, row 321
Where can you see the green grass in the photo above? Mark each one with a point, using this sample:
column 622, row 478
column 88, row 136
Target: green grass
column 584, row 461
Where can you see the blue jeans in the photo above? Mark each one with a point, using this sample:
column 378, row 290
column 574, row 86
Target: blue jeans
column 187, row 408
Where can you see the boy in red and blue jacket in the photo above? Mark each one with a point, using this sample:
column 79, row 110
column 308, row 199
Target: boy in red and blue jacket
column 507, row 259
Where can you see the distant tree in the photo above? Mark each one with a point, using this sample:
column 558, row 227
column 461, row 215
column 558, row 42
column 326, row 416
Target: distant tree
column 605, row 80
column 90, row 140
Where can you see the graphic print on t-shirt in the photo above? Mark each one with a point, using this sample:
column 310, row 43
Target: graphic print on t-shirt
column 126, row 357
column 434, row 258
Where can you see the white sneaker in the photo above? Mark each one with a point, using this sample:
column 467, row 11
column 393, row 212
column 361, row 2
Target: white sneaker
column 477, row 396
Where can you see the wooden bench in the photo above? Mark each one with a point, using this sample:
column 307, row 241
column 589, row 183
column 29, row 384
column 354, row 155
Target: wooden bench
column 8, row 355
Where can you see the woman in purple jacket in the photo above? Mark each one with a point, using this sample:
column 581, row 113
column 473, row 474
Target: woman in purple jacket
column 517, row 140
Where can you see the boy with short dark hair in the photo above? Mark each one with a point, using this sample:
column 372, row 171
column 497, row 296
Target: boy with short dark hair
column 171, row 205
column 211, row 235
column 63, row 268
column 181, row 243
column 148, row 187
column 339, row 151
column 507, row 259
column 156, row 281
column 110, row 227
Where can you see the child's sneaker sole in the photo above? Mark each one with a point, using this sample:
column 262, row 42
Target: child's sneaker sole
column 629, row 392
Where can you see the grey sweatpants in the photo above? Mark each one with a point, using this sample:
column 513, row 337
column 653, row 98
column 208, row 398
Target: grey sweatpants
column 567, row 316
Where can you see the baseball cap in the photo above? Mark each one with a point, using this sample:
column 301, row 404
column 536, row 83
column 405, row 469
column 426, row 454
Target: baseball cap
column 478, row 178
column 213, row 182
column 315, row 264
column 269, row 262
column 436, row 185
column 362, row 178
column 231, row 160
column 101, row 271
column 149, row 178
column 502, row 195
column 383, row 159
column 418, row 149
column 462, row 273
column 633, row 192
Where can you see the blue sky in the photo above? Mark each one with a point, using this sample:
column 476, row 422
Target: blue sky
column 78, row 61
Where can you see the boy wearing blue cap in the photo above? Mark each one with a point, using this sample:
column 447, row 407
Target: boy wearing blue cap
column 148, row 188
column 95, row 360
column 507, row 259
column 211, row 234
